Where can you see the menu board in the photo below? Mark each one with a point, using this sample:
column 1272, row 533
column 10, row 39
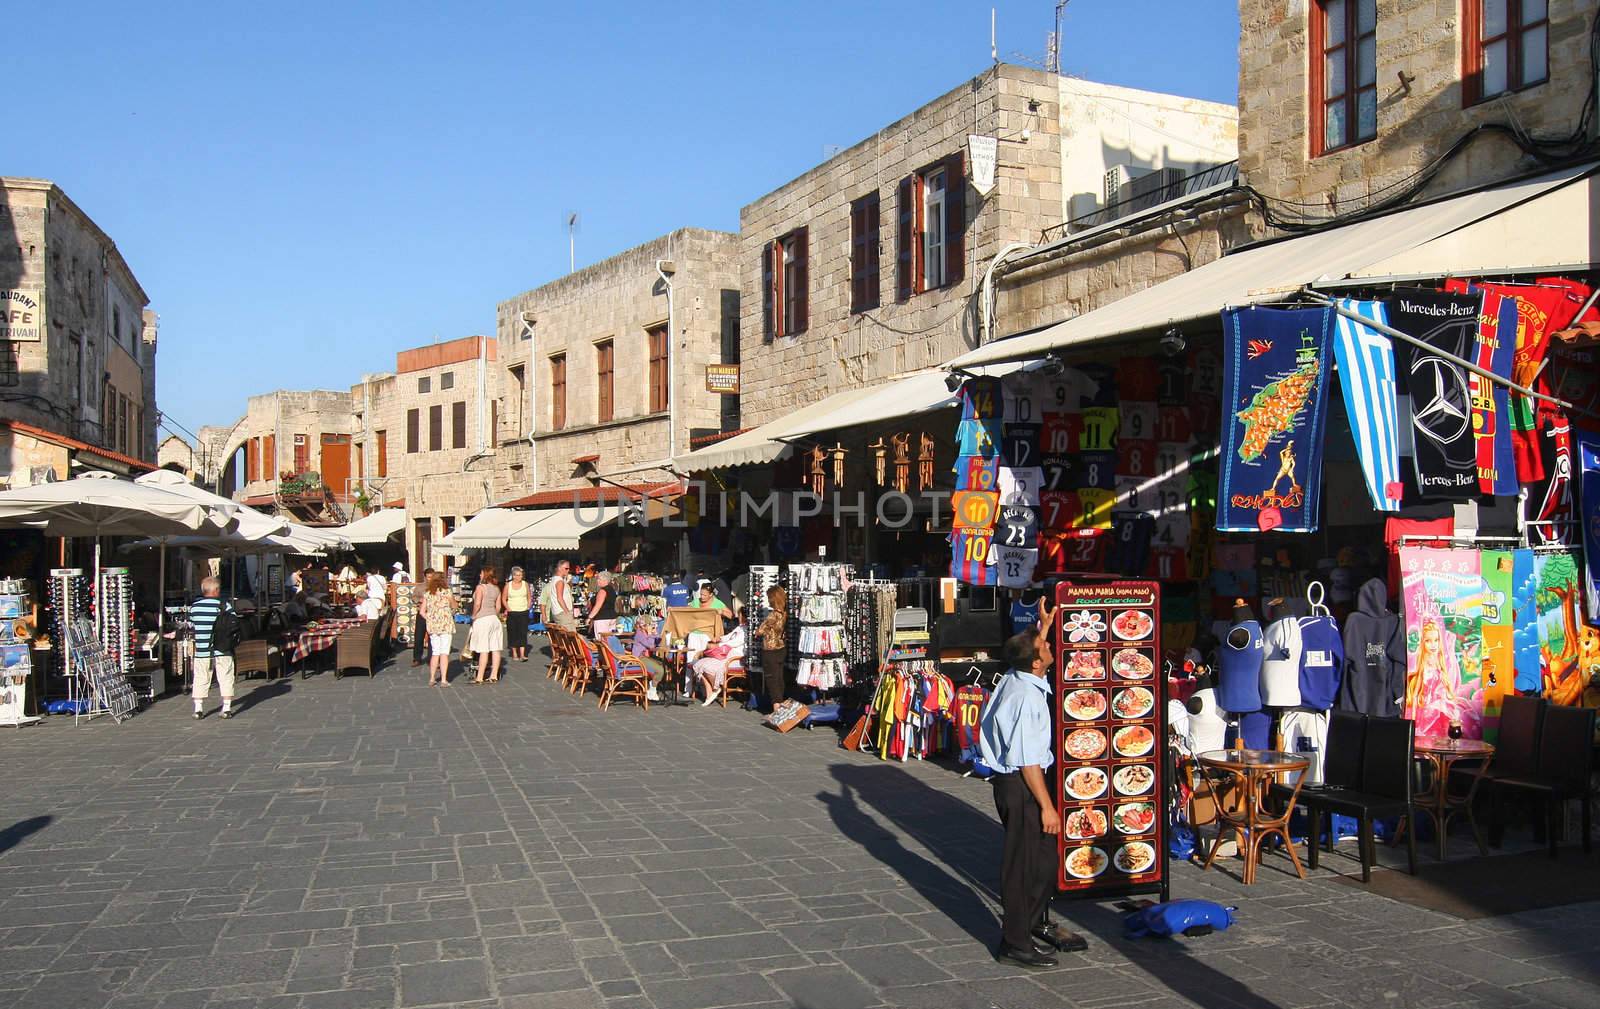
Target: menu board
column 1111, row 738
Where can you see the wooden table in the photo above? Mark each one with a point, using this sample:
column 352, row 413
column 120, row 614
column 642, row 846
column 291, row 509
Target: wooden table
column 1249, row 819
column 1441, row 754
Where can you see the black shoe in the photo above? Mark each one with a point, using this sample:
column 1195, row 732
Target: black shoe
column 1029, row 958
column 199, row 715
column 227, row 713
column 1059, row 939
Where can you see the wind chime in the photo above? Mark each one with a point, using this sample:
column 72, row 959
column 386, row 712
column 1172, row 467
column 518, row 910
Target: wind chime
column 816, row 469
column 902, row 461
column 837, row 454
column 880, row 460
column 925, row 463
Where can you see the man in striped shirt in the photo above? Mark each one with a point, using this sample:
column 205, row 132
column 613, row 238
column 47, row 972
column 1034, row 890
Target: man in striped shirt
column 203, row 615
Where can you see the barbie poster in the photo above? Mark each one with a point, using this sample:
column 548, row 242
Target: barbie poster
column 1458, row 638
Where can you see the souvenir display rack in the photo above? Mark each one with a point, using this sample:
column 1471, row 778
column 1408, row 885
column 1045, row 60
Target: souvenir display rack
column 16, row 660
column 109, row 691
column 639, row 595
column 816, row 631
column 762, row 578
column 69, row 599
column 114, row 616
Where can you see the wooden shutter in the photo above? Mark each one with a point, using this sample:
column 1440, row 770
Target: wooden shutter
column 955, row 219
column 802, row 280
column 905, row 240
column 768, row 292
column 458, row 424
column 413, row 431
column 864, row 253
column 269, row 457
column 436, row 427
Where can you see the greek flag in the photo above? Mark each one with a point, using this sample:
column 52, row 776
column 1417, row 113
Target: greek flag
column 1366, row 373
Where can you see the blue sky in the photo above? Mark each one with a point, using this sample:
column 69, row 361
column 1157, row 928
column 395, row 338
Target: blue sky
column 304, row 189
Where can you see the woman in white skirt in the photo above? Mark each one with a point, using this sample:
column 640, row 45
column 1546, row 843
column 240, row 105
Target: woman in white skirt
column 487, row 638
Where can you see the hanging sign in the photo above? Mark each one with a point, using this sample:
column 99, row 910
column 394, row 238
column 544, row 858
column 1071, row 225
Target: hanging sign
column 982, row 152
column 722, row 379
column 1111, row 745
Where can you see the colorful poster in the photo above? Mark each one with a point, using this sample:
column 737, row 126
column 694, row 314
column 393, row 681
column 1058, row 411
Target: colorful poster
column 1441, row 404
column 1525, row 623
column 1495, row 351
column 1275, row 371
column 1455, row 602
column 1366, row 375
column 1555, row 599
column 1549, row 506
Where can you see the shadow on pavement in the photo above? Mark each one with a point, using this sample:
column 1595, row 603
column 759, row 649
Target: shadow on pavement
column 261, row 694
column 20, row 831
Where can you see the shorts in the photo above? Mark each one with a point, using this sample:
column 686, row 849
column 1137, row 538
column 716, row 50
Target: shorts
column 439, row 644
column 204, row 666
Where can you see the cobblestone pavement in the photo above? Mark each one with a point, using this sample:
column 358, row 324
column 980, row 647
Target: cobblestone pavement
column 377, row 843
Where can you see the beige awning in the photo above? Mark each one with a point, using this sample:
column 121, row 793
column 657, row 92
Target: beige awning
column 490, row 529
column 918, row 392
column 374, row 528
column 1274, row 272
column 560, row 528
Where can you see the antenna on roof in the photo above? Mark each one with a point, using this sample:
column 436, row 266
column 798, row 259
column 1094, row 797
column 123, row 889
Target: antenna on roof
column 572, row 241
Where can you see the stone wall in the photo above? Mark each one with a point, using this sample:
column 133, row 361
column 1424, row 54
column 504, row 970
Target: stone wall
column 278, row 415
column 618, row 299
column 840, row 350
column 1419, row 116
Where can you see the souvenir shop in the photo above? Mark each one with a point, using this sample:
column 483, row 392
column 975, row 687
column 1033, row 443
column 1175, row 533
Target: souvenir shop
column 1370, row 501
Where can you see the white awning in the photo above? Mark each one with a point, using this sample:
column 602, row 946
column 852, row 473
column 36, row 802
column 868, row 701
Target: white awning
column 560, row 528
column 906, row 396
column 375, row 528
column 490, row 529
column 1274, row 272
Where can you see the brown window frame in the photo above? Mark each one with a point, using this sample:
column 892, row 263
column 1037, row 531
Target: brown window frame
column 493, row 439
column 786, row 284
column 269, row 457
column 866, row 281
column 382, row 438
column 657, row 346
column 1350, row 98
column 558, row 391
column 436, row 428
column 1473, row 44
column 458, row 424
column 302, row 454
column 413, row 431
column 605, row 376
column 911, row 228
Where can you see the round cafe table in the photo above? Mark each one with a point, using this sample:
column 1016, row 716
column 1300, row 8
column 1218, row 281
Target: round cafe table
column 1441, row 754
column 1251, row 773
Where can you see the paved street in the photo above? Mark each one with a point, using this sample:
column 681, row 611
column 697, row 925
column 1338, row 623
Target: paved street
column 376, row 843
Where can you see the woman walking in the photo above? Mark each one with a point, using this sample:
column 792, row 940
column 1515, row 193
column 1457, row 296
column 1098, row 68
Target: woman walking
column 770, row 635
column 603, row 611
column 438, row 613
column 487, row 638
column 519, row 599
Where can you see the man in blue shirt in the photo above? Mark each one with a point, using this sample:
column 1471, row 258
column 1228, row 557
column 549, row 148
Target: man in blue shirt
column 1016, row 740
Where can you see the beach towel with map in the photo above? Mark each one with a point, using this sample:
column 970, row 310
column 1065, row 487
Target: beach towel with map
column 1275, row 379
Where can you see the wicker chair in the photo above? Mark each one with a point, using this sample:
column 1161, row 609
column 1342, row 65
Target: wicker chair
column 585, row 664
column 354, row 650
column 736, row 678
column 625, row 676
column 258, row 656
column 560, row 655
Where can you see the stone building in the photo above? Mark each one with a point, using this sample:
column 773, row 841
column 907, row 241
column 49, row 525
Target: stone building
column 424, row 439
column 176, row 454
column 593, row 380
column 867, row 266
column 77, row 343
column 1342, row 104
column 289, row 452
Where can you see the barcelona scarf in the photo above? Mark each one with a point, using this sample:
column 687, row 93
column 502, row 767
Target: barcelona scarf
column 1275, row 371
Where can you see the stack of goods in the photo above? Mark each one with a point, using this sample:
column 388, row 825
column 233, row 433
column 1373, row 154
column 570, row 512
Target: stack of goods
column 975, row 507
column 816, row 596
column 868, row 622
column 114, row 607
column 639, row 595
column 763, row 577
column 16, row 663
column 914, row 706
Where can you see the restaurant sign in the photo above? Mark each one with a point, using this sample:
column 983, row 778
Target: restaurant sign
column 722, row 378
column 21, row 316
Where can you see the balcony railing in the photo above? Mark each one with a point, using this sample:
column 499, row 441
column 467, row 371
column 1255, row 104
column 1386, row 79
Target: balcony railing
column 1225, row 174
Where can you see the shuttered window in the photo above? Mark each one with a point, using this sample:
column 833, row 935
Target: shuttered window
column 413, row 431
column 864, row 281
column 558, row 391
column 931, row 228
column 436, row 427
column 383, row 452
column 657, row 339
column 604, row 364
column 302, row 455
column 786, row 285
column 458, row 424
column 1344, row 73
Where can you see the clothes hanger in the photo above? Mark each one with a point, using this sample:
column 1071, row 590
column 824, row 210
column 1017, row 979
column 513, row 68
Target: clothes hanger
column 1316, row 595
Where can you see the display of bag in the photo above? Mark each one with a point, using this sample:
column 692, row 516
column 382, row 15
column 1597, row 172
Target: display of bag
column 786, row 716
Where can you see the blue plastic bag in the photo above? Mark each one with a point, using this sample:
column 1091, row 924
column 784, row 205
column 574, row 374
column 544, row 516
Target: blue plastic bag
column 1180, row 842
column 1190, row 917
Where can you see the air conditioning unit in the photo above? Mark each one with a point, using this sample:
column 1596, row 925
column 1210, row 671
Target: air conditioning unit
column 1150, row 189
column 1117, row 177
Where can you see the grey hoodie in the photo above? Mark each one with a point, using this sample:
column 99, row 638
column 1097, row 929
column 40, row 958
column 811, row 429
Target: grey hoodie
column 1375, row 655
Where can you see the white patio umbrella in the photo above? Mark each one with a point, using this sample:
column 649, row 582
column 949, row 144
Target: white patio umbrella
column 249, row 525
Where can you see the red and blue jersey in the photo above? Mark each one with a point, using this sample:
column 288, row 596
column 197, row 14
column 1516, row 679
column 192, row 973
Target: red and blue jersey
column 969, row 556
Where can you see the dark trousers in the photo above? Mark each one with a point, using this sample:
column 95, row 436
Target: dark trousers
column 772, row 680
column 419, row 641
column 1027, row 866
